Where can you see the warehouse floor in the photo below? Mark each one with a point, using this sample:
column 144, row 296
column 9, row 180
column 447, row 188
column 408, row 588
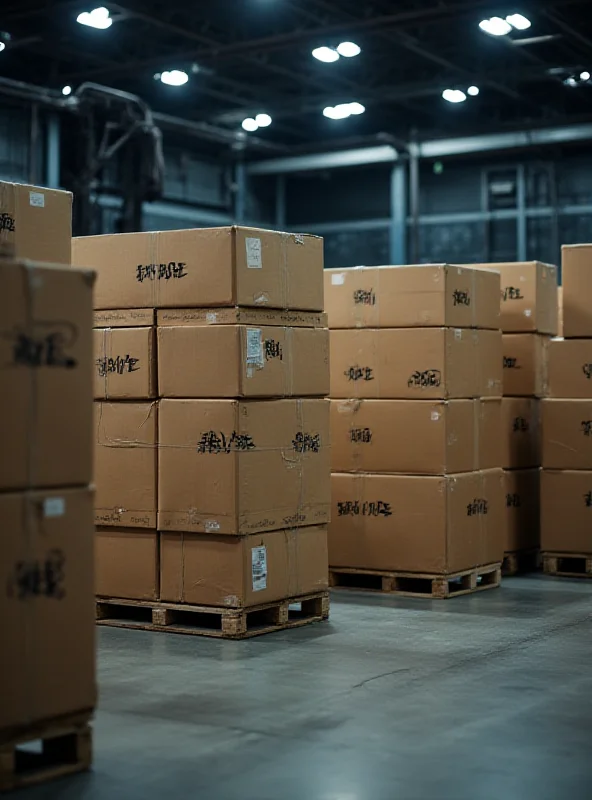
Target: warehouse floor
column 484, row 697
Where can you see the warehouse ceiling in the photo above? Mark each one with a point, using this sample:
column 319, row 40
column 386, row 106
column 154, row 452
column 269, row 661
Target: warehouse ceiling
column 249, row 57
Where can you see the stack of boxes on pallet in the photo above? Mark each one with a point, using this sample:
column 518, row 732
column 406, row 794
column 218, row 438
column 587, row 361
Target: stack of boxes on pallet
column 528, row 320
column 566, row 489
column 46, row 523
column 416, row 382
column 212, row 427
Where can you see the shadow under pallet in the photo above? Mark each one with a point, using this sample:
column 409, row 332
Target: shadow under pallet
column 45, row 751
column 520, row 562
column 568, row 565
column 224, row 623
column 412, row 584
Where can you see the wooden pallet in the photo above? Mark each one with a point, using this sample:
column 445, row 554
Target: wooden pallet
column 225, row 623
column 45, row 751
column 568, row 565
column 521, row 561
column 412, row 584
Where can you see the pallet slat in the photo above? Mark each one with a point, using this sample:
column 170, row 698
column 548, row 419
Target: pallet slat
column 568, row 565
column 411, row 584
column 66, row 748
column 520, row 562
column 225, row 623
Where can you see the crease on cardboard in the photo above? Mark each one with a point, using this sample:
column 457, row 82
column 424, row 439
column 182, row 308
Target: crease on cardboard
column 116, row 442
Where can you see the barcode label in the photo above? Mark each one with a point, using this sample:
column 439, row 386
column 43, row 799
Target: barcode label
column 259, row 568
column 54, row 507
column 254, row 347
column 254, row 258
column 37, row 199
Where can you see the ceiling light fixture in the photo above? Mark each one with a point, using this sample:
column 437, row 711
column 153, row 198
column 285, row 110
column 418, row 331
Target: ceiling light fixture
column 173, row 77
column 473, row 91
column 349, row 49
column 518, row 21
column 584, row 76
column 2, row 46
column 495, row 26
column 66, row 90
column 454, row 95
column 326, row 54
column 250, row 125
column 97, row 18
column 263, row 120
column 343, row 110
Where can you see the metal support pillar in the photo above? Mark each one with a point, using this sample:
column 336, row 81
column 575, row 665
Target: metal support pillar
column 398, row 216
column 280, row 203
column 240, row 193
column 52, row 152
column 521, row 224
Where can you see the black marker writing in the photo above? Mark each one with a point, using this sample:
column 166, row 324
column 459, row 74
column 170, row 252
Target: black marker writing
column 461, row 298
column 513, row 500
column 39, row 577
column 587, row 427
column 273, row 349
column 587, row 370
column 117, row 366
column 219, row 442
column 425, row 379
column 512, row 293
column 477, row 507
column 360, row 435
column 6, row 222
column 152, row 272
column 43, row 346
column 364, row 297
column 353, row 508
column 588, row 499
column 520, row 425
column 307, row 442
column 359, row 374
column 511, row 363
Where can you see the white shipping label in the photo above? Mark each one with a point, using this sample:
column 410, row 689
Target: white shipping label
column 259, row 568
column 338, row 279
column 54, row 507
column 211, row 317
column 211, row 525
column 37, row 199
column 254, row 347
column 254, row 256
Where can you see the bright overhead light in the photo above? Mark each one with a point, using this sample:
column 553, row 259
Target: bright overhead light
column 473, row 91
column 343, row 110
column 2, row 46
column 326, row 54
column 174, row 77
column 572, row 82
column 495, row 26
column 263, row 120
column 584, row 76
column 349, row 49
column 97, row 18
column 66, row 90
column 518, row 21
column 250, row 125
column 454, row 95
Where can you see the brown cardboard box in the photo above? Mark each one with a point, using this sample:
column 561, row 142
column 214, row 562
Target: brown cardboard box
column 566, row 512
column 241, row 361
column 522, row 509
column 570, row 368
column 435, row 295
column 566, row 434
column 434, row 525
column 416, row 437
column 127, row 564
column 525, row 364
column 125, row 363
column 35, row 223
column 576, row 277
column 233, row 467
column 47, row 612
column 205, row 267
column 46, row 376
column 528, row 296
column 521, row 433
column 560, row 311
column 241, row 316
column 239, row 572
column 415, row 363
column 125, row 464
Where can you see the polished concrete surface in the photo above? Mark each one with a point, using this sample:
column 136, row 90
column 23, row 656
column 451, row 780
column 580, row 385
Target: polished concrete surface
column 482, row 697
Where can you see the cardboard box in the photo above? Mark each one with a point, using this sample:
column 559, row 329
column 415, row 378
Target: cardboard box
column 35, row 223
column 239, row 572
column 47, row 610
column 570, row 368
column 525, row 364
column 415, row 363
column 566, row 434
column 234, row 467
column 205, row 267
column 576, row 277
column 433, row 525
column 522, row 509
column 241, row 316
column 528, row 296
column 125, row 363
column 566, row 512
column 521, row 433
column 435, row 295
column 242, row 361
column 125, row 464
column 46, row 376
column 127, row 564
column 416, row 437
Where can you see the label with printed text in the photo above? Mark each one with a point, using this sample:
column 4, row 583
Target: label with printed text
column 254, row 255
column 259, row 568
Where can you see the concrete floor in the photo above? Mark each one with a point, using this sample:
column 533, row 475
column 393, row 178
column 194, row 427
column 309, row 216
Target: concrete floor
column 484, row 697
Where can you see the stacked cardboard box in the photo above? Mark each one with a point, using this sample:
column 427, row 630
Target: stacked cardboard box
column 212, row 456
column 46, row 524
column 416, row 381
column 529, row 319
column 566, row 491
